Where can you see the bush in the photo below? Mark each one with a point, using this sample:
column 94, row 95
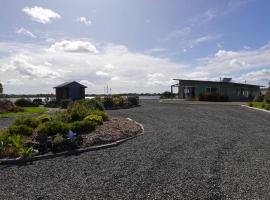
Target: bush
column 94, row 118
column 250, row 104
column 82, row 126
column 263, row 105
column 216, row 97
column 118, row 100
column 93, row 104
column 44, row 118
column 77, row 111
column 64, row 103
column 62, row 143
column 38, row 101
column 10, row 145
column 268, row 107
column 103, row 114
column 20, row 130
column 133, row 100
column 25, row 103
column 27, row 152
column 108, row 102
column 267, row 96
column 8, row 106
column 51, row 128
column 27, row 121
column 52, row 104
column 258, row 98
column 167, row 95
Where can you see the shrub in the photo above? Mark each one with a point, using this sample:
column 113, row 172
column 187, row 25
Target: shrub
column 94, row 118
column 268, row 107
column 61, row 143
column 263, row 105
column 63, row 116
column 267, row 96
column 77, row 111
column 133, row 100
column 52, row 104
column 10, row 145
column 25, row 103
column 258, row 98
column 44, row 118
column 27, row 152
column 167, row 95
column 118, row 100
column 20, row 130
column 27, row 121
column 38, row 101
column 108, row 102
column 82, row 126
column 250, row 104
column 65, row 102
column 219, row 97
column 8, row 106
column 93, row 104
column 51, row 128
column 103, row 114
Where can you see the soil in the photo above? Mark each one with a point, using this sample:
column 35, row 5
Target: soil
column 115, row 129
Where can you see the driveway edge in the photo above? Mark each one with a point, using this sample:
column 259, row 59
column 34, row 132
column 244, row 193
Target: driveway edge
column 72, row 152
column 256, row 108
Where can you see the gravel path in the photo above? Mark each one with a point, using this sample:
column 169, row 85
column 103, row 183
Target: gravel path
column 187, row 152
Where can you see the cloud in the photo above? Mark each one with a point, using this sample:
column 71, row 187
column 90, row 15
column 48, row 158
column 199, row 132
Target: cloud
column 41, row 15
column 256, row 76
column 87, row 83
column 24, row 31
column 155, row 50
column 102, row 74
column 83, row 20
column 75, row 46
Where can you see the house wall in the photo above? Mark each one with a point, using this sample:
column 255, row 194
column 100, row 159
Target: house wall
column 235, row 92
column 76, row 93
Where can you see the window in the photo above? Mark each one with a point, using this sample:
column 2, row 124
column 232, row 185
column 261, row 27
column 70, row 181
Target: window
column 211, row 90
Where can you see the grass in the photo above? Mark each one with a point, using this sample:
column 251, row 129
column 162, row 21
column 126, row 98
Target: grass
column 261, row 105
column 27, row 111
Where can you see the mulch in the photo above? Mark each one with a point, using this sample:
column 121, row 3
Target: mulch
column 114, row 129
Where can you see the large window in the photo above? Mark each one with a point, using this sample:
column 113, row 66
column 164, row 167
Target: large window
column 211, row 90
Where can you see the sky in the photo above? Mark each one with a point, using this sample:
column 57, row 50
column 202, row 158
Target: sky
column 131, row 46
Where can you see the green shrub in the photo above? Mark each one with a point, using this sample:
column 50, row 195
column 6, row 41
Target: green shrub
column 263, row 105
column 82, row 126
column 64, row 103
column 108, row 102
column 37, row 101
column 133, row 100
column 62, row 143
column 118, row 100
column 103, row 114
column 62, row 116
column 10, row 145
column 250, row 104
column 25, row 103
column 94, row 118
column 27, row 152
column 51, row 128
column 52, row 104
column 77, row 111
column 44, row 118
column 268, row 107
column 20, row 130
column 8, row 106
column 214, row 96
column 258, row 98
column 28, row 121
column 93, row 104
column 167, row 95
column 267, row 96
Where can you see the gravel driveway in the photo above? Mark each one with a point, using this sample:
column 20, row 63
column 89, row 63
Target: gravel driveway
column 187, row 152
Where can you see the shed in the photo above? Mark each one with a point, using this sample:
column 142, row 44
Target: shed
column 1, row 88
column 70, row 90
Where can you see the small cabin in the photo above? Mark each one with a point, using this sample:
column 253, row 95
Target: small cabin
column 1, row 88
column 70, row 90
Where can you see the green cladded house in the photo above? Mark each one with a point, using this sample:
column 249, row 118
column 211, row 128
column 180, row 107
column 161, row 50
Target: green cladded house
column 191, row 89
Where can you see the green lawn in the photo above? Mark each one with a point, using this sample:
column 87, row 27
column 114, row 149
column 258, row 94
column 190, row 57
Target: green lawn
column 260, row 105
column 27, row 111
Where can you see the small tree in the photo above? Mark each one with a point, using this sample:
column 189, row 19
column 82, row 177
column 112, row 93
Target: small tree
column 167, row 95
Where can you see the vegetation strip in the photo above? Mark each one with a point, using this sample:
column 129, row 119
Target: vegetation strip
column 260, row 109
column 20, row 160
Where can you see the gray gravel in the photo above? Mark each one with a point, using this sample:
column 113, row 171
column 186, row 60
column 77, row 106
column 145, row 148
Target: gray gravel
column 187, row 152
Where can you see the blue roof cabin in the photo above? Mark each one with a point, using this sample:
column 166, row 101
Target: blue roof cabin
column 70, row 90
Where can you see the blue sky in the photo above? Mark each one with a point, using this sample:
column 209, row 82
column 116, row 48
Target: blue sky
column 132, row 46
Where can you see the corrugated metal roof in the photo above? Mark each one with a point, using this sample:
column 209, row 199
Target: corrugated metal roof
column 67, row 84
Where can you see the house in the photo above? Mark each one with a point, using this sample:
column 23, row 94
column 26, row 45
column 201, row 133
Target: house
column 191, row 89
column 70, row 90
column 1, row 88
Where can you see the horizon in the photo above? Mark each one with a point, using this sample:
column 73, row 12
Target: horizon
column 134, row 46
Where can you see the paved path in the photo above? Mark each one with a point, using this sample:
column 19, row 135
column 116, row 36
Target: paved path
column 187, row 152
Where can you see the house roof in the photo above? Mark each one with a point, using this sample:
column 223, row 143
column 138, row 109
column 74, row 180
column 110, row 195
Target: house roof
column 240, row 84
column 71, row 83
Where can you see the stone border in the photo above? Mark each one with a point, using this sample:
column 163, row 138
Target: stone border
column 72, row 152
column 254, row 108
column 186, row 102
